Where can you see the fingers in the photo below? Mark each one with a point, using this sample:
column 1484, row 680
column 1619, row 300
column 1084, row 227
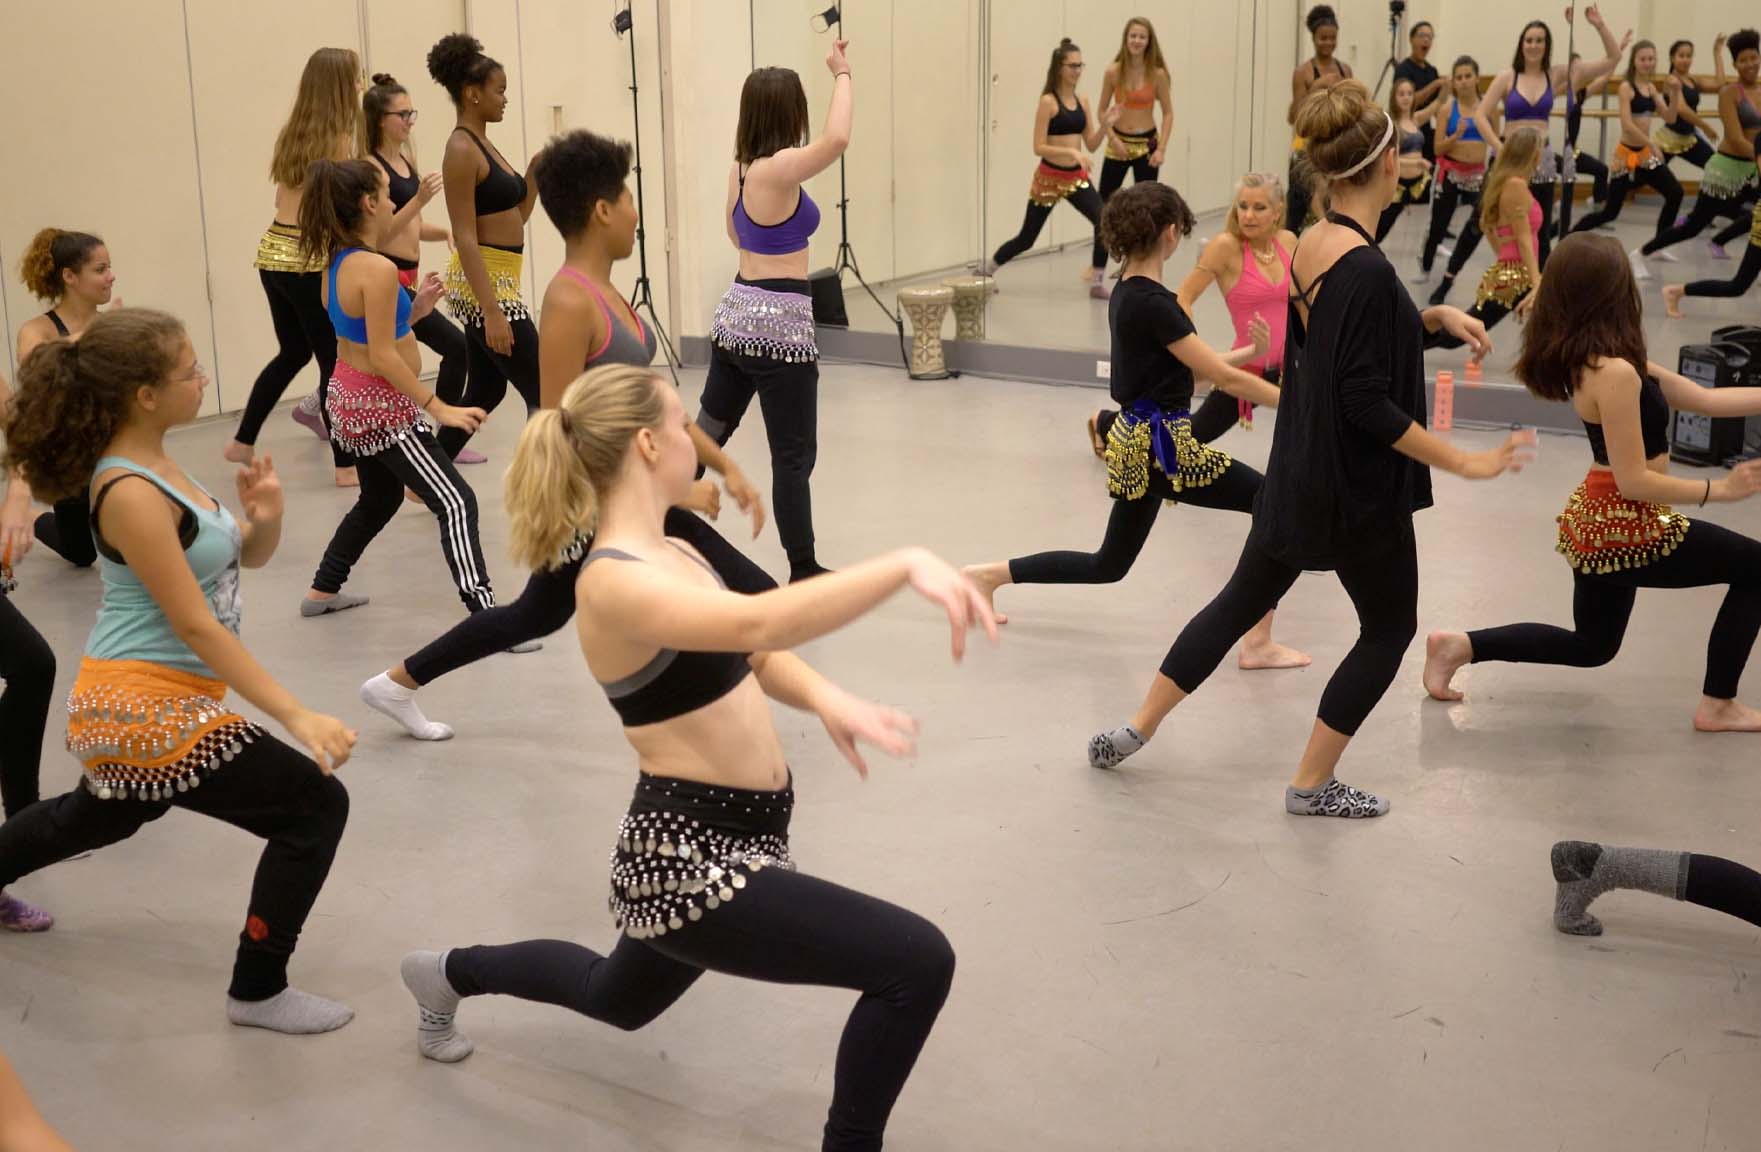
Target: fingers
column 847, row 745
column 982, row 610
column 957, row 622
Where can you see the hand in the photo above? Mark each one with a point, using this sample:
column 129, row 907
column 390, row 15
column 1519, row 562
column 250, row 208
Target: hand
column 1718, row 43
column 497, row 332
column 1527, row 304
column 705, row 498
column 447, row 239
column 428, row 189
column 746, row 497
column 259, row 491
column 1111, row 116
column 835, row 60
column 17, row 531
column 1156, row 158
column 932, row 578
column 1673, row 83
column 849, row 720
column 115, row 303
column 1260, row 333
column 328, row 739
column 1626, row 40
column 1078, row 157
column 467, row 419
column 1743, row 482
column 1516, row 451
column 428, row 294
column 1468, row 330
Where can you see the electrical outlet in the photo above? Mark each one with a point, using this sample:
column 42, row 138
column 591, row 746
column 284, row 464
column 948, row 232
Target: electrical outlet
column 1103, row 369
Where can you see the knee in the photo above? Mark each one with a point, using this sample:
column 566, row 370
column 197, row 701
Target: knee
column 1110, row 567
column 330, row 810
column 926, row 971
column 1598, row 650
column 33, row 668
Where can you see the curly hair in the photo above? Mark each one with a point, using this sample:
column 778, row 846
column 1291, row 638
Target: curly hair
column 73, row 396
column 575, row 172
column 51, row 252
column 1319, row 17
column 1136, row 216
column 1743, row 40
column 457, row 62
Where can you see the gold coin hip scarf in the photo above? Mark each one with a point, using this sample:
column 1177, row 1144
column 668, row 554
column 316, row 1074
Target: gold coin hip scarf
column 278, row 250
column 147, row 732
column 1672, row 143
column 1602, row 531
column 1052, row 184
column 503, row 268
column 367, row 414
column 685, row 849
column 1136, row 145
column 1145, row 437
column 1755, row 227
column 1505, row 283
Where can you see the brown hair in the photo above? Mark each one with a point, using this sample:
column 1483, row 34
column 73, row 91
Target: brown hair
column 74, row 395
column 51, row 252
column 1274, row 189
column 1341, row 126
column 325, row 112
column 1632, row 62
column 331, row 213
column 1394, row 108
column 375, row 103
column 1516, row 60
column 1516, row 158
column 1134, row 217
column 1587, row 309
column 1059, row 54
column 773, row 114
column 1152, row 52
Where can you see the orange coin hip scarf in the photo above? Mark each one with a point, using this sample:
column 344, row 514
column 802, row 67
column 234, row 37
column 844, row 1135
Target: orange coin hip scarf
column 147, row 732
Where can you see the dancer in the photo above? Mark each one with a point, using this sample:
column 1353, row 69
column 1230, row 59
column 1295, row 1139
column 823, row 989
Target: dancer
column 1729, row 175
column 27, row 665
column 1138, row 79
column 1637, row 161
column 1429, row 85
column 321, row 126
column 146, row 715
column 1415, row 168
column 1461, row 167
column 701, row 874
column 388, row 118
column 488, row 203
column 762, row 337
column 1523, row 94
column 376, row 401
column 1064, row 133
column 1350, row 460
column 1152, row 455
column 1584, row 343
column 1583, row 162
column 1585, row 871
column 581, row 182
column 1737, row 285
column 1320, row 71
column 1689, row 136
column 1511, row 214
column 71, row 271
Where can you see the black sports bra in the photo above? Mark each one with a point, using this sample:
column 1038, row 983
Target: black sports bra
column 404, row 188
column 188, row 527
column 673, row 683
column 1653, row 420
column 1067, row 121
column 1643, row 105
column 499, row 191
column 60, row 325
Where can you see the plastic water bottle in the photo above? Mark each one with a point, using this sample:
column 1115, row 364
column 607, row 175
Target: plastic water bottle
column 1443, row 403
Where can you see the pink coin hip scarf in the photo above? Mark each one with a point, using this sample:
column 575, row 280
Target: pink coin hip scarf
column 367, row 414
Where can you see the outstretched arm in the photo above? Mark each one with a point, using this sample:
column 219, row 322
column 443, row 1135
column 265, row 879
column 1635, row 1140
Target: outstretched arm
column 790, row 680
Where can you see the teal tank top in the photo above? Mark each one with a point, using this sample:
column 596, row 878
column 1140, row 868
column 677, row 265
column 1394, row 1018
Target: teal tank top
column 130, row 624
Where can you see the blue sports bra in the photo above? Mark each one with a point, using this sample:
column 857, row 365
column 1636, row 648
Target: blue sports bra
column 1472, row 135
column 355, row 327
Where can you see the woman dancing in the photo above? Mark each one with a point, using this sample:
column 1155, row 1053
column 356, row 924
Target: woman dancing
column 1637, row 161
column 1737, row 285
column 1689, row 136
column 1415, row 169
column 376, row 402
column 762, row 336
column 1152, row 455
column 1584, row 343
column 1461, row 168
column 146, row 715
column 701, row 874
column 581, row 182
column 1320, row 71
column 1510, row 214
column 488, row 203
column 322, row 126
column 71, row 271
column 388, row 118
column 1350, row 460
column 1584, row 871
column 1138, row 80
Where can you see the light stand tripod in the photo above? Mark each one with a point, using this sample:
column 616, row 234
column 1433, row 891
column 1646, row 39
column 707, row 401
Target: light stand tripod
column 642, row 295
column 1396, row 12
column 1568, row 176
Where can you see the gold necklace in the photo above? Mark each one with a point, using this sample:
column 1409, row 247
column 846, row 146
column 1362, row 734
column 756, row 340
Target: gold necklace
column 1268, row 256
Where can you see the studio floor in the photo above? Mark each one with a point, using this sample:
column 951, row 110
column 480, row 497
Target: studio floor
column 1155, row 958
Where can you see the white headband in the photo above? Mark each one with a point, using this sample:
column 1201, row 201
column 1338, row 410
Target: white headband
column 1387, row 135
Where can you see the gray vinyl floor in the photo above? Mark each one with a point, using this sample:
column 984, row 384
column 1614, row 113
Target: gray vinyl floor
column 1158, row 958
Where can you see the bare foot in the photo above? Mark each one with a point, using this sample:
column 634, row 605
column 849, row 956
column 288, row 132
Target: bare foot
column 984, row 579
column 346, row 478
column 1445, row 653
column 411, row 497
column 1726, row 716
column 1095, row 440
column 239, row 453
column 1263, row 656
column 1672, row 300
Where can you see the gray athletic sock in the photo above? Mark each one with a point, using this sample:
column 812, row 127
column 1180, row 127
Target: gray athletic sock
column 1584, row 871
column 1109, row 749
column 1335, row 798
column 341, row 602
column 291, row 1011
column 425, row 976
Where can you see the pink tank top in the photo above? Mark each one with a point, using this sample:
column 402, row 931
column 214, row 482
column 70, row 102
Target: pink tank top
column 1508, row 252
column 1252, row 293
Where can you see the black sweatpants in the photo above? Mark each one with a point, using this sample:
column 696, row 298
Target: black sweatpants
column 269, row 789
column 1706, row 209
column 415, row 462
column 1384, row 588
column 1112, row 179
column 788, row 395
column 1129, row 526
column 66, row 530
column 27, row 664
column 1444, row 201
column 302, row 331
column 1602, row 605
column 548, row 602
column 786, row 928
column 489, row 373
column 1085, row 200
column 1660, row 178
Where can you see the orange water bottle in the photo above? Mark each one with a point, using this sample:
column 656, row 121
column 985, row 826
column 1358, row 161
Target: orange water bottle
column 1443, row 402
column 1471, row 375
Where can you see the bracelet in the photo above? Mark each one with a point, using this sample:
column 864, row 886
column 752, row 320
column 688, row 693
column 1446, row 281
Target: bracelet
column 1708, row 495
column 845, row 72
column 430, row 400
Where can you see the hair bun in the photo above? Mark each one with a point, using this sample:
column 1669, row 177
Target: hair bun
column 1066, row 42
column 450, row 59
column 1328, row 113
column 1320, row 16
column 384, row 78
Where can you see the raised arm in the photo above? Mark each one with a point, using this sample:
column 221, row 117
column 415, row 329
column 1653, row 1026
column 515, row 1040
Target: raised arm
column 1581, row 73
column 795, row 165
column 1721, row 77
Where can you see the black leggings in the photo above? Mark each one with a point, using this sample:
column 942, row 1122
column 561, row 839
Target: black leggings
column 1660, row 178
column 1724, row 886
column 1591, row 166
column 788, row 395
column 1112, row 179
column 1740, row 225
column 548, row 602
column 27, row 664
column 1129, row 526
column 1444, row 202
column 1602, row 605
column 66, row 530
column 1543, row 191
column 1085, row 200
column 785, row 928
column 269, row 790
column 1384, row 589
column 1736, row 285
column 415, row 462
column 1407, row 194
column 302, row 330
column 1489, row 313
column 490, row 372
column 1706, row 209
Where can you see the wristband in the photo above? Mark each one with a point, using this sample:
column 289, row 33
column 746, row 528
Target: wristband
column 845, row 72
column 1708, row 495
column 429, row 401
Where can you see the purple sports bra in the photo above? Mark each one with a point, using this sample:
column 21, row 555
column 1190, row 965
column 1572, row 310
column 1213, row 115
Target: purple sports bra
column 1518, row 108
column 783, row 239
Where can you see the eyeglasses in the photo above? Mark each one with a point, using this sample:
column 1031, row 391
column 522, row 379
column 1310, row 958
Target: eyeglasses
column 196, row 372
column 1077, row 66
column 408, row 115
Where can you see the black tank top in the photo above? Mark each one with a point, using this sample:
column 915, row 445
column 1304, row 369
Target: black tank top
column 1653, row 420
column 54, row 319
